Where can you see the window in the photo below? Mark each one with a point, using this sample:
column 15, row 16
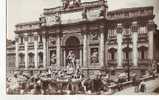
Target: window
column 127, row 53
column 41, row 38
column 126, row 14
column 31, row 58
column 40, row 57
column 112, row 54
column 31, row 39
column 111, row 33
column 21, row 58
column 21, row 40
column 143, row 52
column 142, row 30
column 142, row 12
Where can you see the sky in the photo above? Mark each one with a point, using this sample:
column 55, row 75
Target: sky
column 29, row 10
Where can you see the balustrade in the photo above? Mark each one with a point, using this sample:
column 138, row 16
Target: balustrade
column 144, row 62
column 112, row 62
column 128, row 62
column 22, row 65
column 40, row 64
column 31, row 65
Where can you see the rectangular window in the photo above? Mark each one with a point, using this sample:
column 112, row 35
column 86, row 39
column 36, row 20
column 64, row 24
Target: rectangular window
column 21, row 40
column 143, row 54
column 40, row 38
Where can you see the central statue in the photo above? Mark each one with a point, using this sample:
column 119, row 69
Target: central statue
column 72, row 64
column 71, row 58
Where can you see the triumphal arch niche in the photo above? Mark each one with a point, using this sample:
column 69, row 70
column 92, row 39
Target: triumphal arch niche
column 76, row 35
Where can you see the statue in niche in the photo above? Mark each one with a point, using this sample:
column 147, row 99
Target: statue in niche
column 71, row 59
column 94, row 55
column 53, row 57
column 84, row 13
column 71, row 62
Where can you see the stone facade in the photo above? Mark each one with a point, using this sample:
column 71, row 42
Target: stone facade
column 100, row 39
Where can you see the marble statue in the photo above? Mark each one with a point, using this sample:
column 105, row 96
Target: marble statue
column 53, row 58
column 94, row 56
column 84, row 13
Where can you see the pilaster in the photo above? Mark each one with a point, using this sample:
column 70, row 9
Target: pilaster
column 85, row 51
column 151, row 29
column 119, row 41
column 44, row 51
column 26, row 50
column 16, row 50
column 36, row 49
column 58, row 50
column 101, row 59
column 134, row 29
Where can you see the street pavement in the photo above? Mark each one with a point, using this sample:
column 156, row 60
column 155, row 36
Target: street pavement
column 151, row 85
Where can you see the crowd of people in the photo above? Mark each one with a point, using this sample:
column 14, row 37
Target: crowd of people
column 61, row 82
column 69, row 80
column 58, row 82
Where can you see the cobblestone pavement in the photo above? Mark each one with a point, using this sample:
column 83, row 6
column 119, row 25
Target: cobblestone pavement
column 150, row 87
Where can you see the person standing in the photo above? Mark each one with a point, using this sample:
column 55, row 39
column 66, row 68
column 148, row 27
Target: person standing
column 142, row 87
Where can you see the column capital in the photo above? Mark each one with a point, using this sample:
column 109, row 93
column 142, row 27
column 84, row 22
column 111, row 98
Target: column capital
column 151, row 25
column 85, row 33
column 134, row 26
column 119, row 28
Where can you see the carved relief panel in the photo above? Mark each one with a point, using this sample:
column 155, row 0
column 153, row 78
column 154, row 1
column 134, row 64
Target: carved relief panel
column 94, row 36
column 53, row 19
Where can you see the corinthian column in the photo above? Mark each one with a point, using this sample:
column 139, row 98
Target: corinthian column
column 26, row 50
column 85, row 54
column 101, row 50
column 151, row 29
column 134, row 30
column 36, row 49
column 44, row 51
column 119, row 41
column 81, row 56
column 58, row 50
column 16, row 51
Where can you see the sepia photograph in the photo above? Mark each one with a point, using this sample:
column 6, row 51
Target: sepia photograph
column 82, row 47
